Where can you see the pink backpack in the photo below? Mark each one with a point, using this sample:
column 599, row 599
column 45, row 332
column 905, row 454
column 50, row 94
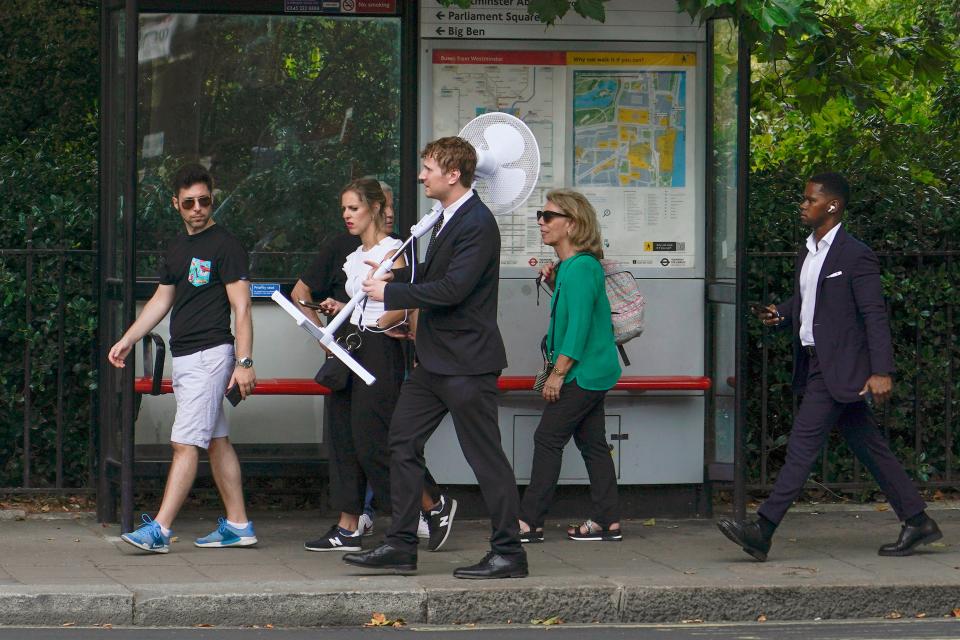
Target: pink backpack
column 626, row 304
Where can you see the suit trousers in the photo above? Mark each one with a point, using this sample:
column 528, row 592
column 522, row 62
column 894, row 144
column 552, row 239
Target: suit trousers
column 817, row 415
column 578, row 413
column 472, row 403
column 359, row 422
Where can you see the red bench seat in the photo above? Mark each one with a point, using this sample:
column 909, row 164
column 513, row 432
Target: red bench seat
column 307, row 387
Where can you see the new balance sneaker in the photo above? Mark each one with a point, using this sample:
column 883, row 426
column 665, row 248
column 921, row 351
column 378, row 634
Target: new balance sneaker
column 440, row 522
column 148, row 536
column 226, row 535
column 365, row 526
column 335, row 540
column 423, row 528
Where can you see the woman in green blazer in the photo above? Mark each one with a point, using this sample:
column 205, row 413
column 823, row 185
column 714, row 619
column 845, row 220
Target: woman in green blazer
column 580, row 344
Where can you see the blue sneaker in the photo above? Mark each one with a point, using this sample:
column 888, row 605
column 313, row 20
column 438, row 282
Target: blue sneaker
column 148, row 537
column 228, row 536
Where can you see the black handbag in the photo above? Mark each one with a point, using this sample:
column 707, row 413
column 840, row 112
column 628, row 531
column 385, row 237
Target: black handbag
column 548, row 356
column 335, row 375
column 544, row 373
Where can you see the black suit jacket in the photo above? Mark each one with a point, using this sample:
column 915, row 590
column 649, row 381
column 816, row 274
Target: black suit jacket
column 850, row 326
column 456, row 292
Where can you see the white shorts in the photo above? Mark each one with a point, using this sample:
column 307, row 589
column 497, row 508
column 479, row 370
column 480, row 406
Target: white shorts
column 199, row 382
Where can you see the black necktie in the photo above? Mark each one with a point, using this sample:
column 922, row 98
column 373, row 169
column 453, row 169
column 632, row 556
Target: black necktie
column 436, row 230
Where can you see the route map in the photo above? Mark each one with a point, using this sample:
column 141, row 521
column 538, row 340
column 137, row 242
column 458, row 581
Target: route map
column 629, row 128
column 614, row 125
column 524, row 84
column 519, row 83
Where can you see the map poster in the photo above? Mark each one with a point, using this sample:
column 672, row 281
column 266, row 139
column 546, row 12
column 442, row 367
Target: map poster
column 527, row 84
column 631, row 145
column 613, row 125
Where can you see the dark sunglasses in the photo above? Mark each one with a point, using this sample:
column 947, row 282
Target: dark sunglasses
column 187, row 203
column 548, row 216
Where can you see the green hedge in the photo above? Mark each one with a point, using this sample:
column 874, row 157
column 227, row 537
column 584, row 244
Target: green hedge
column 48, row 191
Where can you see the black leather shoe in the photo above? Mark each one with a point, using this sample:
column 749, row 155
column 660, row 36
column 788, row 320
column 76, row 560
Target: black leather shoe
column 495, row 565
column 911, row 538
column 385, row 558
column 748, row 536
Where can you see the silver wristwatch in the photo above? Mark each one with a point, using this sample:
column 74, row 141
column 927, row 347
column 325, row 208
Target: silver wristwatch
column 246, row 363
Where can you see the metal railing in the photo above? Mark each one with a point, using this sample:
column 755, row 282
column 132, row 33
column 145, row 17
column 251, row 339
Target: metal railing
column 48, row 372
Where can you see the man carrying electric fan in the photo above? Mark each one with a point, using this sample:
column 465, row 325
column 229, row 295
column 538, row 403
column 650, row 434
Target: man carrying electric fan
column 460, row 354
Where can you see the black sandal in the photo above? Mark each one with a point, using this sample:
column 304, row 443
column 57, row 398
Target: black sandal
column 595, row 533
column 531, row 536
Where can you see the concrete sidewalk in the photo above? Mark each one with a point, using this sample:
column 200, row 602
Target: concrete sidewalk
column 823, row 565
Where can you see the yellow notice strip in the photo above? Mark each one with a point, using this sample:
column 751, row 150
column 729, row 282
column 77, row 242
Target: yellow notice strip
column 629, row 59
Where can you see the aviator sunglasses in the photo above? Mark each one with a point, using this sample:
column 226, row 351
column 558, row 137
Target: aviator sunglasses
column 187, row 203
column 548, row 216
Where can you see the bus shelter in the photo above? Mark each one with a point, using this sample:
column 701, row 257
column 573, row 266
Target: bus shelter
column 287, row 100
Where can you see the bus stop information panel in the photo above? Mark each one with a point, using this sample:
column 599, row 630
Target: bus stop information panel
column 617, row 111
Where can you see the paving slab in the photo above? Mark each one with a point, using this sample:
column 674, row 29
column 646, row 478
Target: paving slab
column 823, row 565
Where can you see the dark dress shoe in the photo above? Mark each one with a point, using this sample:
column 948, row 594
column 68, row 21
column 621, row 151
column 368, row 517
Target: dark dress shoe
column 495, row 565
column 385, row 558
column 911, row 538
column 748, row 535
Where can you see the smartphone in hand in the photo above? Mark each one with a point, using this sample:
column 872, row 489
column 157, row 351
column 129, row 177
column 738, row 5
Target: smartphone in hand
column 762, row 312
column 233, row 395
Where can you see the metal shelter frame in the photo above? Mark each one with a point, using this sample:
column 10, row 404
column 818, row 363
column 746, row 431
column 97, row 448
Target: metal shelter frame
column 118, row 207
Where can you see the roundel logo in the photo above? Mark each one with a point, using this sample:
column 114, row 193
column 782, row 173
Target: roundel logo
column 665, row 262
column 532, row 262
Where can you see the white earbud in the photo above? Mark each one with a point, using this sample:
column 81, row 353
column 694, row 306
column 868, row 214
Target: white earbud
column 831, row 209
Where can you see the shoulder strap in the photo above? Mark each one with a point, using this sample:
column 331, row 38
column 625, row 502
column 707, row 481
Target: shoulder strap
column 553, row 320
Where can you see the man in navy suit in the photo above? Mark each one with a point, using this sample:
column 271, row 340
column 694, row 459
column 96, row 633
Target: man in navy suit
column 843, row 356
column 460, row 354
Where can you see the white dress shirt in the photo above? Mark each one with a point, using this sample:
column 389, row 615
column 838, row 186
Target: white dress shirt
column 450, row 211
column 809, row 276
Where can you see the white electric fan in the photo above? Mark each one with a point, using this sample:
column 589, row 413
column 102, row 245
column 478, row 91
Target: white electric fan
column 508, row 165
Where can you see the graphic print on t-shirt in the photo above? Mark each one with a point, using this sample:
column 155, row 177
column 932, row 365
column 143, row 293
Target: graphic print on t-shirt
column 199, row 272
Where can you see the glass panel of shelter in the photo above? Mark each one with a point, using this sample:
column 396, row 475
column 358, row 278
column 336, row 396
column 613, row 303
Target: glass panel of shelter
column 722, row 269
column 284, row 110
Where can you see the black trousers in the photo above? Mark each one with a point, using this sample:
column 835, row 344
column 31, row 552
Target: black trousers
column 579, row 414
column 359, row 427
column 472, row 402
column 816, row 417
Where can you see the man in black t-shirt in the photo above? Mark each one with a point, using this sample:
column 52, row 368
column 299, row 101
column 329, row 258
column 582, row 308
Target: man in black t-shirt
column 203, row 277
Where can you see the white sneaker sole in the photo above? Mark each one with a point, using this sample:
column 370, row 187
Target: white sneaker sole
column 453, row 512
column 344, row 548
column 143, row 546
column 248, row 541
